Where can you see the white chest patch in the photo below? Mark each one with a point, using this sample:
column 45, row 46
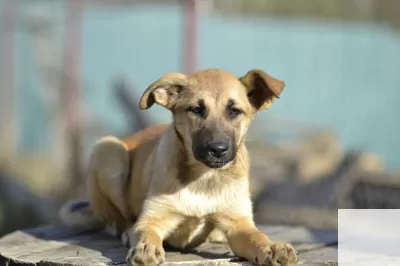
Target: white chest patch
column 199, row 204
column 194, row 204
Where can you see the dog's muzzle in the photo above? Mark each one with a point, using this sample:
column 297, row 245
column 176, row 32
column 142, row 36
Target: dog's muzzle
column 214, row 154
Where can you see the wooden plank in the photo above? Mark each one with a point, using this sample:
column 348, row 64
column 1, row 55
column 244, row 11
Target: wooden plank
column 54, row 245
column 325, row 256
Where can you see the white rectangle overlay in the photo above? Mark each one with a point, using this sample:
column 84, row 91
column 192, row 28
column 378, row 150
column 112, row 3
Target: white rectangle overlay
column 369, row 237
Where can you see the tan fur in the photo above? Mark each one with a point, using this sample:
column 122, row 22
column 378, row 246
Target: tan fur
column 152, row 188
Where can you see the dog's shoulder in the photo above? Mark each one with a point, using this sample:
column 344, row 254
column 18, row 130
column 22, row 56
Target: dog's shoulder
column 144, row 136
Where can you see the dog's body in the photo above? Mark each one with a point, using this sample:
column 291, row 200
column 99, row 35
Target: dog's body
column 178, row 183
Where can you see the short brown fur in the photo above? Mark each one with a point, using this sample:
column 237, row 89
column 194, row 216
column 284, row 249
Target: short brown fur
column 169, row 184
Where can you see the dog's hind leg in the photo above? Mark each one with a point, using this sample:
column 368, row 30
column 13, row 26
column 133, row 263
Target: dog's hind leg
column 217, row 236
column 107, row 182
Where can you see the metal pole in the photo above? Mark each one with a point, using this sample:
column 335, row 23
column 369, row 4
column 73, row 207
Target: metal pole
column 73, row 86
column 7, row 58
column 190, row 35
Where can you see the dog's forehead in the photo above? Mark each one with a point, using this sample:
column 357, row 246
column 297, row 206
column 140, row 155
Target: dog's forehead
column 218, row 81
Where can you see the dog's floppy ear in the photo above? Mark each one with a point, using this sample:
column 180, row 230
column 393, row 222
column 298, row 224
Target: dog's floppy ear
column 164, row 91
column 262, row 89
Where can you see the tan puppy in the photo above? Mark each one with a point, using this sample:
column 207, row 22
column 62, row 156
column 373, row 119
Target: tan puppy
column 179, row 182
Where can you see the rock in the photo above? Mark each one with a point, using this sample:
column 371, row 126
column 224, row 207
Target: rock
column 58, row 246
column 315, row 203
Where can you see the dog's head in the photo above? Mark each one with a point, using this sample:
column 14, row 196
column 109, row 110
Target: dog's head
column 212, row 109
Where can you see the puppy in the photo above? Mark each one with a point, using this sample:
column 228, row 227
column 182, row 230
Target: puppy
column 177, row 183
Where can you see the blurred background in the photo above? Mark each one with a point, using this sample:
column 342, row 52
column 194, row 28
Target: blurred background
column 74, row 70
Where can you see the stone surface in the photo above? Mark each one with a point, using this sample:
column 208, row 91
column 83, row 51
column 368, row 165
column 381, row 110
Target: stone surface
column 53, row 245
column 357, row 182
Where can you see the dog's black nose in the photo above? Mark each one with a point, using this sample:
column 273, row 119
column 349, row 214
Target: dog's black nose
column 217, row 148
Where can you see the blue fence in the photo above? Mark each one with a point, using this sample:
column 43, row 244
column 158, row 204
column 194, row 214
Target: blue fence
column 345, row 76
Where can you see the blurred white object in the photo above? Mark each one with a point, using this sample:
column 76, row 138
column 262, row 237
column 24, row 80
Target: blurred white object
column 368, row 237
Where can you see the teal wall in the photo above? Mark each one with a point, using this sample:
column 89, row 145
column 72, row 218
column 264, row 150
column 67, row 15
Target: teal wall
column 342, row 75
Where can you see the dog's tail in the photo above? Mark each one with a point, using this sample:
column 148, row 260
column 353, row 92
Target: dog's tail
column 78, row 214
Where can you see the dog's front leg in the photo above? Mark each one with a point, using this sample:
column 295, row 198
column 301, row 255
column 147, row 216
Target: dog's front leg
column 247, row 242
column 147, row 235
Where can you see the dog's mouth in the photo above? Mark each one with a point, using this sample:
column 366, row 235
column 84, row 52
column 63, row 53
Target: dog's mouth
column 215, row 164
column 212, row 162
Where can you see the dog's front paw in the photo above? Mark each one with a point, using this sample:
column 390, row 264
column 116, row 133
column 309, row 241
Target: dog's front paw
column 278, row 254
column 146, row 253
column 284, row 254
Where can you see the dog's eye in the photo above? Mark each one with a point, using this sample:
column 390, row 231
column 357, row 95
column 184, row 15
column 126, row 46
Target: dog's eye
column 196, row 110
column 234, row 112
